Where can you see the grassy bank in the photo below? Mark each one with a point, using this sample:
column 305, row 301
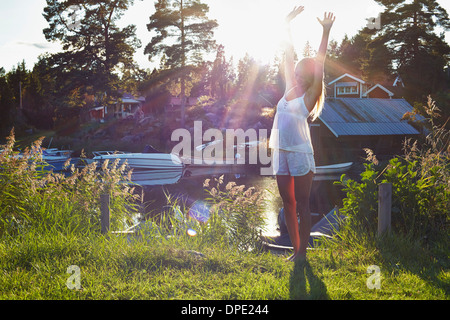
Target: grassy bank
column 34, row 266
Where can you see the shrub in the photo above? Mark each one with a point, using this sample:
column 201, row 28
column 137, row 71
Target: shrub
column 420, row 187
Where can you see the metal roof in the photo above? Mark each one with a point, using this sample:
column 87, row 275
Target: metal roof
column 362, row 117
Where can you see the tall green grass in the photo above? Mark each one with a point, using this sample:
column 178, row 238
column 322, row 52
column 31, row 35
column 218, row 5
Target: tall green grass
column 34, row 198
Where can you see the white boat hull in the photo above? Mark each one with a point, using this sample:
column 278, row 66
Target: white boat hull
column 145, row 160
column 334, row 168
column 156, row 177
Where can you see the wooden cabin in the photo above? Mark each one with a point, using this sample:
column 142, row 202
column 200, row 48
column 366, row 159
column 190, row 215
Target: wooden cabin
column 357, row 115
column 347, row 86
column 128, row 106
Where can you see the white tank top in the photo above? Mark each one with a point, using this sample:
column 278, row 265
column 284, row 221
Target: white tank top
column 290, row 130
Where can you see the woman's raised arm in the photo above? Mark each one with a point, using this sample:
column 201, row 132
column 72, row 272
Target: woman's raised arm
column 316, row 88
column 289, row 50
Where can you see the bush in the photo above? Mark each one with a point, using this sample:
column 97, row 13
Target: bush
column 420, row 187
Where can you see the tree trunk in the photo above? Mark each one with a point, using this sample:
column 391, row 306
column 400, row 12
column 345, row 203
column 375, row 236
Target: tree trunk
column 183, row 66
column 183, row 102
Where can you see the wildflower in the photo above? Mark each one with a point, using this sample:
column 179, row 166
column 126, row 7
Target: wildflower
column 123, row 167
column 255, row 198
column 105, row 164
column 240, row 188
column 206, row 183
column 239, row 200
column 67, row 163
column 220, row 180
column 371, row 157
column 115, row 164
column 249, row 192
column 130, row 172
column 431, row 109
column 230, row 185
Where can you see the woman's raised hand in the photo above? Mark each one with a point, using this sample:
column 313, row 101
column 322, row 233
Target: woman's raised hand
column 295, row 12
column 327, row 22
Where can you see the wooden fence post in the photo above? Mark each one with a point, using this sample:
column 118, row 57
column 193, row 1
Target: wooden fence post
column 104, row 208
column 384, row 208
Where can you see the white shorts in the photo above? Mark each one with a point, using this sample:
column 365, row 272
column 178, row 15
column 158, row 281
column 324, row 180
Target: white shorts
column 288, row 163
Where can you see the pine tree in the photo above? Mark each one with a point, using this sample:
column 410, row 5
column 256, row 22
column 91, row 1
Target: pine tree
column 221, row 74
column 183, row 34
column 94, row 46
column 408, row 31
column 6, row 103
column 308, row 51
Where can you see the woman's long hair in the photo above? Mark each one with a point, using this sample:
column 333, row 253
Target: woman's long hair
column 318, row 108
column 306, row 71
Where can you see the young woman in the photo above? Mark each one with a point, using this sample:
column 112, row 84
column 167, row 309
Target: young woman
column 293, row 154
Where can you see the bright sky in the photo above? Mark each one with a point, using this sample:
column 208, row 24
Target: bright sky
column 251, row 26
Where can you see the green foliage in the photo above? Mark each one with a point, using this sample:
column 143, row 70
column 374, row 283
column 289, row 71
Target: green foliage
column 95, row 47
column 183, row 34
column 238, row 210
column 222, row 75
column 420, row 202
column 408, row 31
column 6, row 102
column 32, row 197
column 187, row 23
column 231, row 217
column 50, row 222
column 360, row 205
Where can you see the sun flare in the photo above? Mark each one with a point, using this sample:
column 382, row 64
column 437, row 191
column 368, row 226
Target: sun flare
column 259, row 30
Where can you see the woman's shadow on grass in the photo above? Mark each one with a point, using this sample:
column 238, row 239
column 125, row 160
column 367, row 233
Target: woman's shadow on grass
column 305, row 285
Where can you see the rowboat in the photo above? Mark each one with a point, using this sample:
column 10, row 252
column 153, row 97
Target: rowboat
column 54, row 152
column 156, row 177
column 147, row 161
column 105, row 153
column 334, row 168
column 55, row 159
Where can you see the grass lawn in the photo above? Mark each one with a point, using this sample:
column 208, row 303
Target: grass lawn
column 35, row 266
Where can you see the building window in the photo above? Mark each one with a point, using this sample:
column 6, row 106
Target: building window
column 347, row 90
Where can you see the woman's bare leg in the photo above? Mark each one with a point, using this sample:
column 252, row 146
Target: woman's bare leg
column 302, row 196
column 286, row 187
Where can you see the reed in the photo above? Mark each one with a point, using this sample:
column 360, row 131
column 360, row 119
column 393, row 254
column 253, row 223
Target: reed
column 31, row 197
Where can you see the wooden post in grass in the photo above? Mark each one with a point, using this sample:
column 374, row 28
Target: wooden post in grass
column 384, row 208
column 104, row 209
